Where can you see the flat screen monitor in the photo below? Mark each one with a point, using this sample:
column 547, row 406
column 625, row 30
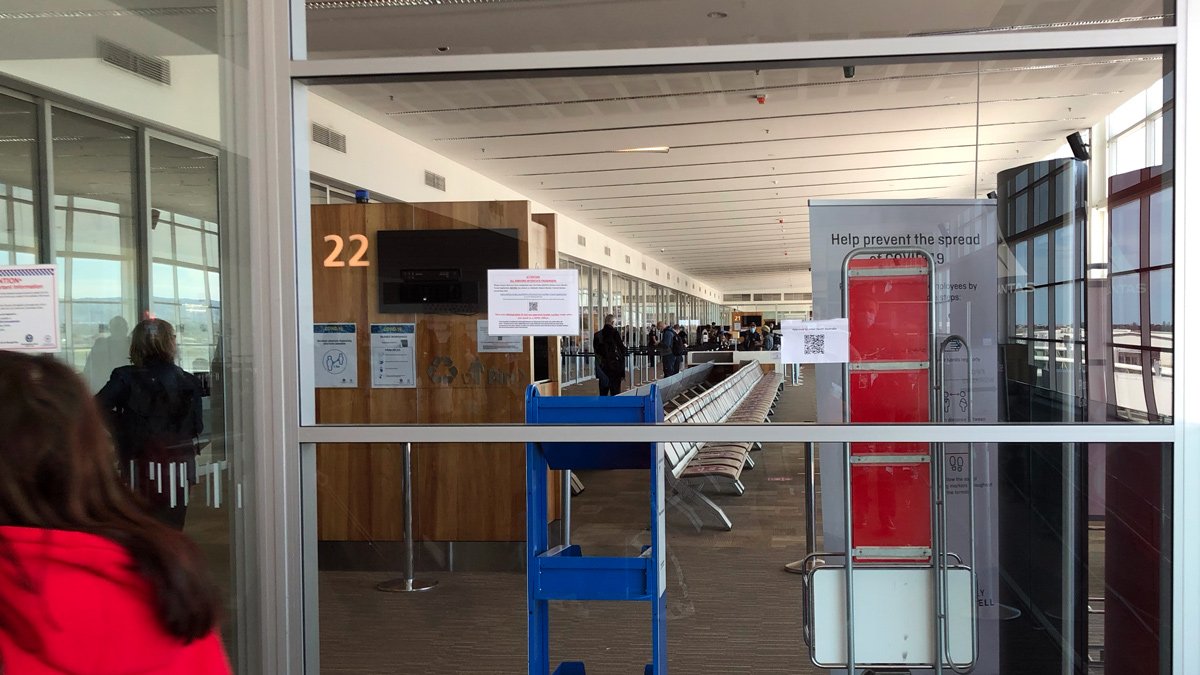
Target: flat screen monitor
column 440, row 271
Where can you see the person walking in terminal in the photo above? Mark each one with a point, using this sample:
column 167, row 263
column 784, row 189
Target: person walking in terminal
column 156, row 418
column 610, row 357
column 89, row 582
column 680, row 348
column 652, row 339
column 667, row 347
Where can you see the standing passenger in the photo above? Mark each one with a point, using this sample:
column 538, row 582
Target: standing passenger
column 610, row 357
column 156, row 415
column 667, row 347
column 89, row 582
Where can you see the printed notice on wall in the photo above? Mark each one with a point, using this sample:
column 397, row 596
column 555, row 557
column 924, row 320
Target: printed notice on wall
column 533, row 302
column 825, row 341
column 494, row 344
column 335, row 346
column 29, row 308
column 393, row 355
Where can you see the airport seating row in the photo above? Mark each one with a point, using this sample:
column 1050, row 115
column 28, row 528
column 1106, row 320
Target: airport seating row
column 748, row 396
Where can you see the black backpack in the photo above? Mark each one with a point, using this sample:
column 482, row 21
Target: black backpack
column 678, row 346
column 610, row 354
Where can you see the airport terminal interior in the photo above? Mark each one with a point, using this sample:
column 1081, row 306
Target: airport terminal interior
column 885, row 240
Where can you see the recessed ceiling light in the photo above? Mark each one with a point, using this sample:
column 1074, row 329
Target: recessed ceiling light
column 718, row 15
column 653, row 148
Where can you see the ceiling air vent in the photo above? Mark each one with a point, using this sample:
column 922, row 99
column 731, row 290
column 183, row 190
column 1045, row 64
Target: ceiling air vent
column 628, row 260
column 323, row 135
column 581, row 240
column 435, row 181
column 797, row 296
column 737, row 297
column 144, row 65
column 607, row 251
column 768, row 297
column 643, row 267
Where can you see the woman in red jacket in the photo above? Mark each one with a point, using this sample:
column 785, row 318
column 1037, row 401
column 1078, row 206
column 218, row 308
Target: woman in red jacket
column 89, row 583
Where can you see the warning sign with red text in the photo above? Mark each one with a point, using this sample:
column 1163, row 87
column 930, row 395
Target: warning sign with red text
column 29, row 308
column 533, row 302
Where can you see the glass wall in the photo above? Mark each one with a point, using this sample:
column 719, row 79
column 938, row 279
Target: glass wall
column 124, row 164
column 958, row 260
column 18, row 225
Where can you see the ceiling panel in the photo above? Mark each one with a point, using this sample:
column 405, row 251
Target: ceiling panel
column 712, row 205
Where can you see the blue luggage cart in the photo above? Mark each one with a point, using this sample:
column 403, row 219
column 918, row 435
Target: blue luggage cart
column 563, row 572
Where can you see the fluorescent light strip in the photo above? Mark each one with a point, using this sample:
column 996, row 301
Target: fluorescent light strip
column 653, row 148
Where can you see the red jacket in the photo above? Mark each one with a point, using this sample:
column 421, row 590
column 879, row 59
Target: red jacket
column 91, row 612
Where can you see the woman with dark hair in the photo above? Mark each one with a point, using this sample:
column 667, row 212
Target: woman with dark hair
column 89, row 582
column 156, row 416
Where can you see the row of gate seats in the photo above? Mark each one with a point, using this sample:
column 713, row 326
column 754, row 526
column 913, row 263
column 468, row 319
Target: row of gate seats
column 748, row 396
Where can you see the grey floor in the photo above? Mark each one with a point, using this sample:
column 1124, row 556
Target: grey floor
column 731, row 607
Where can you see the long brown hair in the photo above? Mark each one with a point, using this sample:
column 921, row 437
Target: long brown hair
column 152, row 341
column 57, row 471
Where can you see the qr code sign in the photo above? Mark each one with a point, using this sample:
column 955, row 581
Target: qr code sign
column 814, row 344
column 533, row 307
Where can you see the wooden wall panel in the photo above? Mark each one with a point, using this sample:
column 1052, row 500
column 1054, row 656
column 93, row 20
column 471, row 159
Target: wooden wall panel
column 462, row 492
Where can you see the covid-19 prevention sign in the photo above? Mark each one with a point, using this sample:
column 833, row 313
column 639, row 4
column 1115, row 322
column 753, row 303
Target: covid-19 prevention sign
column 29, row 308
column 959, row 237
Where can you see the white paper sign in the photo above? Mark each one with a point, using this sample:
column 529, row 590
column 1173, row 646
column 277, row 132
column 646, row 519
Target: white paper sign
column 533, row 302
column 493, row 344
column 825, row 341
column 393, row 355
column 29, row 308
column 335, row 347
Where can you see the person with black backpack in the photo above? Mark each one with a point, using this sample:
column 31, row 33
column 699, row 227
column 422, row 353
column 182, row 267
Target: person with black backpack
column 610, row 357
column 156, row 416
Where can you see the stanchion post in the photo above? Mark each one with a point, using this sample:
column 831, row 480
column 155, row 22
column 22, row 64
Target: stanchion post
column 810, row 510
column 566, row 507
column 407, row 583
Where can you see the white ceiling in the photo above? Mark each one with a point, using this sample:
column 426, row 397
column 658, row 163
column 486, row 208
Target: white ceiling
column 711, row 207
column 347, row 28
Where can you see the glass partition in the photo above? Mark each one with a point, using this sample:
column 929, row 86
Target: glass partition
column 970, row 253
column 18, row 224
column 1066, row 560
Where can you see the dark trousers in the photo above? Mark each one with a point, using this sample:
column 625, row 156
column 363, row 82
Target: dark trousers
column 610, row 382
column 670, row 365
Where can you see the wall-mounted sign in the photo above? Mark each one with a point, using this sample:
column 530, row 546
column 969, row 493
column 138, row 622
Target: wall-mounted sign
column 533, row 302
column 29, row 308
column 494, row 344
column 338, row 244
column 335, row 347
column 393, row 355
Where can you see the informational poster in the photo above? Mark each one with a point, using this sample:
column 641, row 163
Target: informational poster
column 533, row 302
column 825, row 341
column 29, row 308
column 960, row 237
column 394, row 355
column 496, row 344
column 335, row 346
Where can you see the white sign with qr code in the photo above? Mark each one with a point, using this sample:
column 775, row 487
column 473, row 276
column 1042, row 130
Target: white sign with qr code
column 825, row 341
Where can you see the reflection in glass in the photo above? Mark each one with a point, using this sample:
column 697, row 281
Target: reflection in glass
column 95, row 241
column 1126, row 237
column 18, row 167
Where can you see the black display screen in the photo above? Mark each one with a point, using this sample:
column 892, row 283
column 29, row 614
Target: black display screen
column 440, row 271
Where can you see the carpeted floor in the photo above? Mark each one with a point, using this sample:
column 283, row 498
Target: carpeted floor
column 732, row 608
